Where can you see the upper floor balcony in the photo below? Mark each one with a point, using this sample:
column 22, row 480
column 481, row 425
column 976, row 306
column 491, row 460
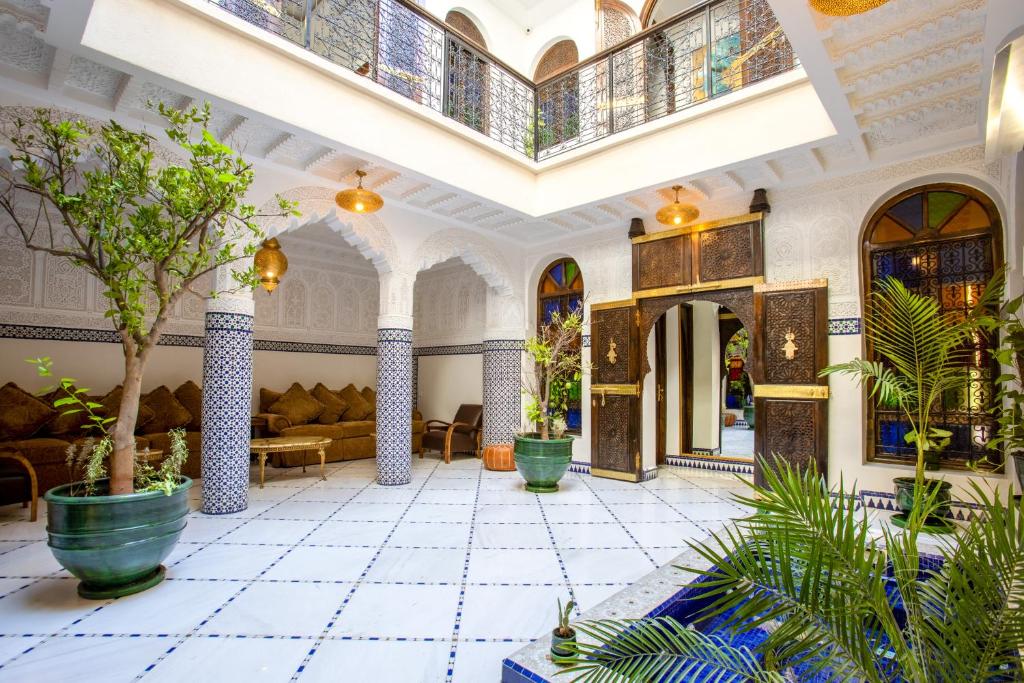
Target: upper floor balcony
column 714, row 49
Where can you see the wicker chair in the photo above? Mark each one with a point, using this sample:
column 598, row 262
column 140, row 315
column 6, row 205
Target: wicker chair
column 18, row 482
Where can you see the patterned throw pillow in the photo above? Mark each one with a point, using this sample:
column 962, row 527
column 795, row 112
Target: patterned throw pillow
column 358, row 407
column 334, row 405
column 267, row 398
column 112, row 406
column 371, row 397
column 191, row 396
column 168, row 412
column 21, row 413
column 297, row 405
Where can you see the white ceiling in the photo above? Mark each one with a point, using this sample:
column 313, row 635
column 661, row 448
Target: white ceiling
column 899, row 82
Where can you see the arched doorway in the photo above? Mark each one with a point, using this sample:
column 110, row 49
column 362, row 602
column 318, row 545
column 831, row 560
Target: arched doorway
column 944, row 240
column 560, row 290
column 558, row 98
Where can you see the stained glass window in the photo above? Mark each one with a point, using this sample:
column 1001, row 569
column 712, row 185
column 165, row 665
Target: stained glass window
column 561, row 290
column 942, row 240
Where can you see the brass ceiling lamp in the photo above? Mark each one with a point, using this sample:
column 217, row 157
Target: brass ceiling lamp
column 271, row 264
column 358, row 200
column 845, row 8
column 676, row 213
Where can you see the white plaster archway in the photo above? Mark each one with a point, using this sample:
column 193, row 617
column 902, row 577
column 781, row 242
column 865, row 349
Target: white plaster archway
column 366, row 233
column 473, row 251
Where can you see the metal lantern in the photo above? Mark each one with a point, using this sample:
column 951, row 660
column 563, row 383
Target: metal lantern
column 845, row 8
column 271, row 264
column 676, row 213
column 358, row 200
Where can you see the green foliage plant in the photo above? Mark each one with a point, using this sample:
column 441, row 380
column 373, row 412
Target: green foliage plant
column 555, row 352
column 564, row 630
column 816, row 578
column 923, row 351
column 1008, row 410
column 108, row 200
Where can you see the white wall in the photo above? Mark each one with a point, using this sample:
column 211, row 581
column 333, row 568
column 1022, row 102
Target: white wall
column 707, row 385
column 445, row 382
column 673, row 383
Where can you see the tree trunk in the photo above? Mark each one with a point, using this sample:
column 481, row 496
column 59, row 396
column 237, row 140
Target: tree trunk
column 122, row 461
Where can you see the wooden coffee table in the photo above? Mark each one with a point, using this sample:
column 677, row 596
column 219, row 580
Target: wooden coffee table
column 287, row 444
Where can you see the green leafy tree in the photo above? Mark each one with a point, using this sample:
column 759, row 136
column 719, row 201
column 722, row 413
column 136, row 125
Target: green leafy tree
column 1009, row 404
column 148, row 229
column 813, row 576
column 556, row 356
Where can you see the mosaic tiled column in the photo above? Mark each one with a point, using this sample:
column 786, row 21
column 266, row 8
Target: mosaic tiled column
column 502, row 390
column 227, row 404
column 394, row 406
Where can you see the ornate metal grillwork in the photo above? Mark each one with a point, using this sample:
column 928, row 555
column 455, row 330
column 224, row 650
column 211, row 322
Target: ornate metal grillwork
column 655, row 73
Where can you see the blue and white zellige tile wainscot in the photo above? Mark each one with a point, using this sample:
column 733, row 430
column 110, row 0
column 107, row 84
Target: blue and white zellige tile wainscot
column 502, row 389
column 394, row 406
column 227, row 397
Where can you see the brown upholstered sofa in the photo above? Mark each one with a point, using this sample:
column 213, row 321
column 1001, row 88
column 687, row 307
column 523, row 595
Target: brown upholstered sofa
column 346, row 416
column 42, row 434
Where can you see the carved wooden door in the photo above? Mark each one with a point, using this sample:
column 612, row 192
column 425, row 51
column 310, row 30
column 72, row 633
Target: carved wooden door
column 790, row 399
column 615, row 392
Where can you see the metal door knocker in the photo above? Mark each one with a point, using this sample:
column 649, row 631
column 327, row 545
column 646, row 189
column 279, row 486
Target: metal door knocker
column 790, row 348
column 612, row 356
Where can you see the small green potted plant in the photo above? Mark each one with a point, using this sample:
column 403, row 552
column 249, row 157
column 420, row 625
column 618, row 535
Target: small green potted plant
column 922, row 351
column 148, row 227
column 563, row 634
column 543, row 457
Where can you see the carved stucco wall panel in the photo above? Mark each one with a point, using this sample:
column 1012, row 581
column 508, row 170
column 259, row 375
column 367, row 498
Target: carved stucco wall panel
column 450, row 307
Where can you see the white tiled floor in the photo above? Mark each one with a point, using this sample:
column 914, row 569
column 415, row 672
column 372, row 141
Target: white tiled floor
column 347, row 580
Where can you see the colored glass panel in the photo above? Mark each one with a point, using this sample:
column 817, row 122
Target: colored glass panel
column 551, row 306
column 549, row 286
column 889, row 230
column 558, row 274
column 570, row 272
column 910, row 212
column 941, row 206
column 971, row 217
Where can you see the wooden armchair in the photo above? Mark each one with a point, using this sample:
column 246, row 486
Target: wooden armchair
column 464, row 434
column 18, row 483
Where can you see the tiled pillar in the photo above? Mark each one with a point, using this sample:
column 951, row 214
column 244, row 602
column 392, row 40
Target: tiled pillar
column 394, row 380
column 227, row 403
column 502, row 390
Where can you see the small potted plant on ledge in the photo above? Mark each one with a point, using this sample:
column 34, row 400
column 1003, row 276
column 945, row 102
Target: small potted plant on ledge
column 108, row 200
column 923, row 351
column 543, row 457
column 563, row 638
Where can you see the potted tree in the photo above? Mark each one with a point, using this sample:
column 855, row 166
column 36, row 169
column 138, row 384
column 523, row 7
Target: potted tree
column 923, row 352
column 543, row 457
column 106, row 199
column 1009, row 405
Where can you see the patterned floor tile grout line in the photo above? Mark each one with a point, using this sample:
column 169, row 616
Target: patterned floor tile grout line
column 621, row 523
column 558, row 554
column 348, row 597
column 248, row 583
column 462, row 585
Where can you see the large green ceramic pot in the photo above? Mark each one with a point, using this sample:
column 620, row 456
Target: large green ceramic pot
column 748, row 416
column 905, row 502
column 542, row 463
column 115, row 544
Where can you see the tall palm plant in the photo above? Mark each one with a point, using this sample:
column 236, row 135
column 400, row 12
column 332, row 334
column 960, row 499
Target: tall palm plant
column 923, row 352
column 831, row 601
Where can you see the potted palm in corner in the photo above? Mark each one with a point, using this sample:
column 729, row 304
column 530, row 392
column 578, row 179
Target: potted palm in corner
column 107, row 200
column 543, row 457
column 922, row 352
column 1009, row 404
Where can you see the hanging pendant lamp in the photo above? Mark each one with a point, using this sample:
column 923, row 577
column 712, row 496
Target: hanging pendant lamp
column 845, row 8
column 676, row 213
column 358, row 200
column 271, row 264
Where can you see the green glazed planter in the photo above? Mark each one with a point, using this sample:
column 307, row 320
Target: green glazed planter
column 558, row 642
column 748, row 416
column 938, row 523
column 542, row 463
column 115, row 544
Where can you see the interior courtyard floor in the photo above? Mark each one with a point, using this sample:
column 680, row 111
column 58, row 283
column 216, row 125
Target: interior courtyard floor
column 343, row 579
column 738, row 442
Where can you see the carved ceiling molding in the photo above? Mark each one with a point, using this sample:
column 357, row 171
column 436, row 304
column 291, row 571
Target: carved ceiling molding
column 472, row 250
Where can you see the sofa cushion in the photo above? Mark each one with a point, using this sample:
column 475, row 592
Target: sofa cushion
column 66, row 425
column 334, row 405
column 417, row 415
column 267, row 398
column 371, row 397
column 168, row 412
column 334, row 431
column 112, row 406
column 21, row 413
column 418, row 426
column 360, row 428
column 297, row 405
column 358, row 407
column 40, row 451
column 191, row 396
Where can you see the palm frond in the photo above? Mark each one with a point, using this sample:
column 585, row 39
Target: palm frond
column 661, row 649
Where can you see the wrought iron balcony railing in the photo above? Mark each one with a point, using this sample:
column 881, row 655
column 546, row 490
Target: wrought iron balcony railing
column 714, row 49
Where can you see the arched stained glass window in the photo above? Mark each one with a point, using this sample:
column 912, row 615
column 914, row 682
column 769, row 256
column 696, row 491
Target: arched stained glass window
column 945, row 241
column 561, row 289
